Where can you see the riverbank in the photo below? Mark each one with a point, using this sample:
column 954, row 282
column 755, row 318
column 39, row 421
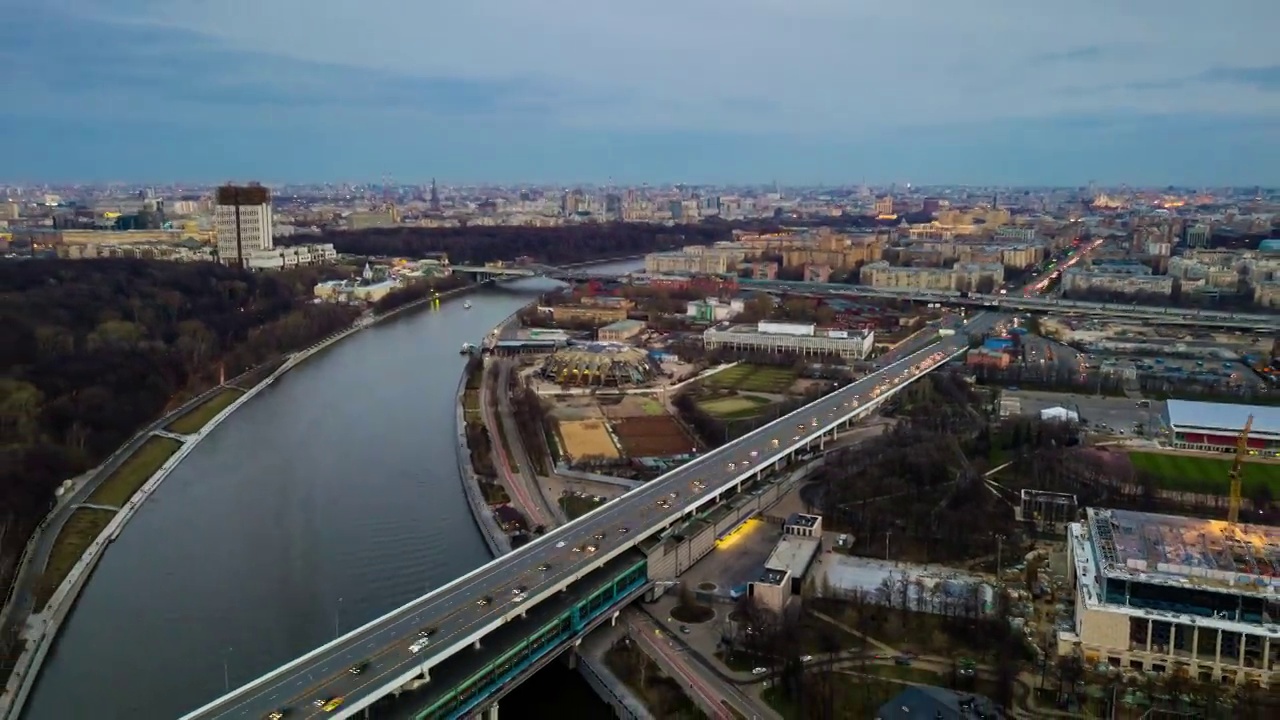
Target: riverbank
column 38, row 631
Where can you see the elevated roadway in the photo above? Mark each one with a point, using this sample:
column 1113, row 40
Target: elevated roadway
column 461, row 614
column 1014, row 303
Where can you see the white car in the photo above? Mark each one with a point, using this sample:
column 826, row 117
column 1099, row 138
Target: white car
column 754, row 453
column 759, row 671
column 418, row 646
column 560, row 544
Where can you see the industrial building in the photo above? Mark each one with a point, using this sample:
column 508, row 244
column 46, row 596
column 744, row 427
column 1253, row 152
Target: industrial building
column 1164, row 594
column 802, row 338
column 599, row 365
column 1195, row 425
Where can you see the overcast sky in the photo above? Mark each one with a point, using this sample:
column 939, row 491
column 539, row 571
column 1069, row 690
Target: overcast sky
column 801, row 91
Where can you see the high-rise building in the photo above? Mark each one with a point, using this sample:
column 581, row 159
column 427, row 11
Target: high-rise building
column 242, row 221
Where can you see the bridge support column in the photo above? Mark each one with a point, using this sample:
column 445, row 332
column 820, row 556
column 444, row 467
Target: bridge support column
column 492, row 712
column 476, row 645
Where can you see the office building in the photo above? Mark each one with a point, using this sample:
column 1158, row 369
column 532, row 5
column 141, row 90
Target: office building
column 242, row 222
column 803, row 339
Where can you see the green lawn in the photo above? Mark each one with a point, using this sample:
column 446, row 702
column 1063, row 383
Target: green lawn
column 575, row 507
column 200, row 415
column 1208, row 475
column 735, row 407
column 754, row 378
column 134, row 472
column 76, row 535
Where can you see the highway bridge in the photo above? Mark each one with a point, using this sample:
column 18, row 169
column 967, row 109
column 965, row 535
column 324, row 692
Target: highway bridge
column 478, row 635
column 1015, row 303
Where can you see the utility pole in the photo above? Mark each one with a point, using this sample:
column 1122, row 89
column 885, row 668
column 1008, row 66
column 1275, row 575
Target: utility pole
column 887, row 533
column 999, row 554
column 226, row 673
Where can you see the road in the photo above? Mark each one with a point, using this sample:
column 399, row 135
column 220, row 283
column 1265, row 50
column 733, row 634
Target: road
column 566, row 553
column 694, row 676
column 524, row 474
column 515, row 484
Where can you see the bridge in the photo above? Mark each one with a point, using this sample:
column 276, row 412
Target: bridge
column 477, row 636
column 500, row 271
column 1014, row 303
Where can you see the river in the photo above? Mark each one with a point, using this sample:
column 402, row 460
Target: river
column 328, row 500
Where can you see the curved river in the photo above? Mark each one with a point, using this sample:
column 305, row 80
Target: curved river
column 328, row 500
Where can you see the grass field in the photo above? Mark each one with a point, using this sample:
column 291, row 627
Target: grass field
column 1207, row 475
column 575, row 506
column 201, row 414
column 134, row 472
column 76, row 535
column 754, row 378
column 734, row 407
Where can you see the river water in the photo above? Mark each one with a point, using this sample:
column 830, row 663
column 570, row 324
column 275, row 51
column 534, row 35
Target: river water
column 330, row 499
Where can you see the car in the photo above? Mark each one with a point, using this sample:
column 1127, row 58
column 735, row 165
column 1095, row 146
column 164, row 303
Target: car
column 732, row 466
column 684, row 629
column 277, row 714
column 759, row 671
column 427, row 632
column 796, row 438
column 624, row 531
column 815, row 422
column 544, row 567
column 333, row 704
column 519, row 590
column 746, row 463
column 806, row 658
column 754, row 453
column 577, row 548
column 675, row 495
column 560, row 544
column 592, row 548
column 418, row 645
column 484, row 601
column 599, row 536
column 519, row 598
column 773, row 442
column 358, row 667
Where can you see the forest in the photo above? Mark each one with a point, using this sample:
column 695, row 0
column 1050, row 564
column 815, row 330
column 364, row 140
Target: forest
column 93, row 351
column 551, row 245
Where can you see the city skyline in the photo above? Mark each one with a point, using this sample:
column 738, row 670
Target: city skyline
column 808, row 93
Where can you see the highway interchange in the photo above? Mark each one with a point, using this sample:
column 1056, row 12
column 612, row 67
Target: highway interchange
column 460, row 613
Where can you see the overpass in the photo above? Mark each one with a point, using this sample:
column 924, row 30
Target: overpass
column 595, row 556
column 1014, row 303
column 497, row 271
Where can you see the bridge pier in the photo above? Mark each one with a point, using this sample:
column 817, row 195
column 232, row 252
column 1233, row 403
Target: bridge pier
column 491, row 713
column 476, row 645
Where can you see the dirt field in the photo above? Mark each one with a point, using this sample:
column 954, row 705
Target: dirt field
column 583, row 438
column 573, row 409
column 654, row 436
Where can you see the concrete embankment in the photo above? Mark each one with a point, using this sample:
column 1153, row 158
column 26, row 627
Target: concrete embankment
column 41, row 627
column 498, row 542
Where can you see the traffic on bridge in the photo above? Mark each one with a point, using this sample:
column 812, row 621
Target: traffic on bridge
column 351, row 673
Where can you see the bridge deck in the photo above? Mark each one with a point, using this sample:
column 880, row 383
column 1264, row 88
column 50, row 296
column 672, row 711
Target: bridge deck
column 467, row 664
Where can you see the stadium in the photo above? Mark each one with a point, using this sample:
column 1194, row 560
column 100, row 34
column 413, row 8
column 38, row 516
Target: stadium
column 600, row 365
column 1216, row 427
column 1170, row 594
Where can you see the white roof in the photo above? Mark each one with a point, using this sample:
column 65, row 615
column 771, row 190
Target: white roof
column 792, row 554
column 1059, row 413
column 1223, row 417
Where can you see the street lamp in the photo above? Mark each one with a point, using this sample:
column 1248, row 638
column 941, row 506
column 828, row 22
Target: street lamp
column 337, row 610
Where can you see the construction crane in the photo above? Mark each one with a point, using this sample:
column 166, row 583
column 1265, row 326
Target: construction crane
column 1242, row 450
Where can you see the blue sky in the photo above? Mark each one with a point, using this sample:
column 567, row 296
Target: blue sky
column 802, row 91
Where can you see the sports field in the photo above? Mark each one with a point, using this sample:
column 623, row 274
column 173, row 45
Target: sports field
column 754, row 378
column 733, row 407
column 1204, row 474
column 587, row 438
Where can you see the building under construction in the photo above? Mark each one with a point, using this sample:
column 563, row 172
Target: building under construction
column 1164, row 594
column 1216, row 427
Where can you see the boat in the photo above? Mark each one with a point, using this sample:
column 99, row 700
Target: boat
column 466, row 305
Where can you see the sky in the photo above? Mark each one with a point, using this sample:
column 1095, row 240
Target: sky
column 1142, row 92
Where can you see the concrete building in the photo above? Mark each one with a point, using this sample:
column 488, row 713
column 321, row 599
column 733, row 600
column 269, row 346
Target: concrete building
column 762, row 270
column 803, row 525
column 620, row 331
column 1126, row 279
column 964, row 276
column 804, row 339
column 714, row 309
column 817, row 273
column 242, row 221
column 283, row 258
column 1167, row 594
column 591, row 313
column 784, row 572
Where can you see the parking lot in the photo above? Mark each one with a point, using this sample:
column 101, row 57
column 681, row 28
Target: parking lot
column 737, row 559
column 1118, row 414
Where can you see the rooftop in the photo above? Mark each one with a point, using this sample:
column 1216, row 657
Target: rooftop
column 803, row 520
column 1225, row 417
column 1189, row 552
column 924, row 702
column 792, row 554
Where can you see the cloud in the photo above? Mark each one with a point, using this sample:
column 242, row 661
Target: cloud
column 413, row 83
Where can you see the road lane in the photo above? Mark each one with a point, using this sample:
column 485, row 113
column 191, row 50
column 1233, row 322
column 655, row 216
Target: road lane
column 721, row 467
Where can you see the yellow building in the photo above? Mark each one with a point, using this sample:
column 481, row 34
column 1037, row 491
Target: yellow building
column 571, row 313
column 130, row 237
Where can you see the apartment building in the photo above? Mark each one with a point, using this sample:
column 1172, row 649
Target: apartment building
column 964, row 276
column 242, row 221
column 1123, row 277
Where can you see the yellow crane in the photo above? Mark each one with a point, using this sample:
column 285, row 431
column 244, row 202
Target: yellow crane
column 1242, row 450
